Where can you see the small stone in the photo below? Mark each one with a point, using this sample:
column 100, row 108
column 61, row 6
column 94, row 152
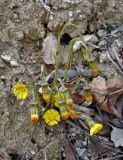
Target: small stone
column 101, row 33
column 70, row 13
column 32, row 152
column 2, row 77
column 77, row 45
column 104, row 58
column 112, row 3
column 19, row 35
column 6, row 58
column 68, row 1
column 102, row 44
column 91, row 38
column 40, row 90
column 14, row 63
column 73, row 134
column 51, row 17
column 2, row 65
column 85, row 143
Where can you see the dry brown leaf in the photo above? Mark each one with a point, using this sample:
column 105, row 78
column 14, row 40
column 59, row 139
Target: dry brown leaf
column 77, row 98
column 117, row 136
column 49, row 48
column 100, row 147
column 107, row 103
column 99, row 84
column 70, row 152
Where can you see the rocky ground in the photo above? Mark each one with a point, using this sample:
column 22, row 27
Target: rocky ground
column 25, row 28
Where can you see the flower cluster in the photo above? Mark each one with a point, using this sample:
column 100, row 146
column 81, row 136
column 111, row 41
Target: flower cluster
column 62, row 101
column 62, row 106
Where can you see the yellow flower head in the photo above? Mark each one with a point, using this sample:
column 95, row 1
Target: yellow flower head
column 95, row 129
column 20, row 91
column 69, row 102
column 51, row 117
column 46, row 97
column 72, row 114
column 58, row 97
column 64, row 115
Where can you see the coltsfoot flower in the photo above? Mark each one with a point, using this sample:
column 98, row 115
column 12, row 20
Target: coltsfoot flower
column 51, row 117
column 20, row 91
column 95, row 129
column 69, row 102
column 34, row 114
column 72, row 113
column 88, row 95
column 64, row 115
column 58, row 97
column 46, row 97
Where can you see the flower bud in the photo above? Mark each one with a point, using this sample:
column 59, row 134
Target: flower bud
column 34, row 114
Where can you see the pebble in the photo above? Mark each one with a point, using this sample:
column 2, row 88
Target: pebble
column 76, row 46
column 6, row 58
column 2, row 65
column 104, row 58
column 14, row 63
column 101, row 33
column 102, row 44
column 84, row 143
column 70, row 13
column 19, row 35
column 68, row 1
column 32, row 152
column 91, row 38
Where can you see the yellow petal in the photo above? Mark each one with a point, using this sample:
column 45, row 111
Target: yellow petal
column 95, row 129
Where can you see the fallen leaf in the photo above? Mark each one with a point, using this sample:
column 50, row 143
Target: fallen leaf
column 70, row 152
column 100, row 146
column 49, row 48
column 98, row 84
column 117, row 136
column 100, row 89
column 77, row 98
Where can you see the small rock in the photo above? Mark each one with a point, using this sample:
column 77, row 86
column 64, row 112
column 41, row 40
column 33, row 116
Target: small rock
column 40, row 90
column 68, row 1
column 85, row 143
column 19, row 35
column 112, row 3
column 2, row 78
column 101, row 33
column 70, row 13
column 102, row 44
column 104, row 58
column 91, row 38
column 2, row 65
column 32, row 152
column 6, row 58
column 14, row 63
column 77, row 45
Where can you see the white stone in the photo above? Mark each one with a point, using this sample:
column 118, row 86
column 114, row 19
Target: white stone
column 14, row 63
column 70, row 13
column 76, row 45
column 91, row 38
column 19, row 35
column 6, row 58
